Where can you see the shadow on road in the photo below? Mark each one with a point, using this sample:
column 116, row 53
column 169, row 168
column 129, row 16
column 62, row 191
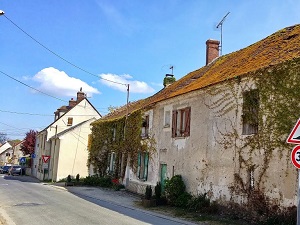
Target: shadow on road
column 21, row 178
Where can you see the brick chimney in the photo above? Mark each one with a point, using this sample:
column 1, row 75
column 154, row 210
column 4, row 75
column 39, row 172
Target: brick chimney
column 212, row 50
column 80, row 95
column 72, row 103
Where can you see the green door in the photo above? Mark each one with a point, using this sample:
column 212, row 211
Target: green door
column 163, row 176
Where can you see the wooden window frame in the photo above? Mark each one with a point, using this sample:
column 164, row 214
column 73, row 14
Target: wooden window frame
column 181, row 120
column 143, row 161
column 145, row 127
column 70, row 121
column 250, row 112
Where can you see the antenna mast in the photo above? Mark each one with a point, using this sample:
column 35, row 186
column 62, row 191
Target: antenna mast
column 220, row 24
column 171, row 68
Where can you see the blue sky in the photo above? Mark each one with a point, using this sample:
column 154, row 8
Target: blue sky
column 126, row 41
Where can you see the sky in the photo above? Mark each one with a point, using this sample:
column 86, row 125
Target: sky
column 50, row 49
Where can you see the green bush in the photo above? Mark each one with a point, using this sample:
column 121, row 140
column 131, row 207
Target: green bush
column 98, row 181
column 69, row 179
column 183, row 200
column 198, row 203
column 148, row 192
column 157, row 190
column 174, row 188
column 77, row 177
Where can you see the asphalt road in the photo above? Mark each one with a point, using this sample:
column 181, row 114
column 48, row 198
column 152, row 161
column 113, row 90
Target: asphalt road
column 24, row 200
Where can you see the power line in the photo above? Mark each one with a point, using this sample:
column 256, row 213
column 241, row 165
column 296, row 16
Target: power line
column 31, row 87
column 36, row 114
column 24, row 113
column 57, row 55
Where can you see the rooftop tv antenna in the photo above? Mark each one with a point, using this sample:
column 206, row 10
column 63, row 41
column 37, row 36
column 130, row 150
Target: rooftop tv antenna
column 171, row 68
column 220, row 24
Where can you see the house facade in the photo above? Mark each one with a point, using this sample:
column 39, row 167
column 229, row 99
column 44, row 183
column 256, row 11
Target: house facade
column 6, row 154
column 223, row 127
column 61, row 148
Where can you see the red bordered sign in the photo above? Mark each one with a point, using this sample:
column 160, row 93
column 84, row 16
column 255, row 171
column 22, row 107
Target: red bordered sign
column 294, row 137
column 45, row 158
column 295, row 156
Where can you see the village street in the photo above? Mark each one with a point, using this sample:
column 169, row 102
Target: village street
column 24, row 200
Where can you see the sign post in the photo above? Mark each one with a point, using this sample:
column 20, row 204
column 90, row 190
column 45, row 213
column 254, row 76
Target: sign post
column 295, row 158
column 294, row 138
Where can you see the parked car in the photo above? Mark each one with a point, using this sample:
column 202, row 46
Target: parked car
column 15, row 170
column 5, row 169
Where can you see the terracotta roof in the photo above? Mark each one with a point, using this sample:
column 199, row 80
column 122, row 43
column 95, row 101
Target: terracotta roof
column 277, row 48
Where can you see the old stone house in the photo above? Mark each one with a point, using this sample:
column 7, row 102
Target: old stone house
column 222, row 127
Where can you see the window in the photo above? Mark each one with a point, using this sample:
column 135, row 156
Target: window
column 250, row 112
column 7, row 154
column 142, row 171
column 251, row 177
column 145, row 127
column 111, row 162
column 167, row 119
column 181, row 122
column 70, row 121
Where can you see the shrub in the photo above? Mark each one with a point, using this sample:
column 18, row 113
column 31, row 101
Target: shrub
column 98, row 181
column 198, row 203
column 69, row 179
column 174, row 188
column 148, row 192
column 183, row 200
column 157, row 190
column 77, row 177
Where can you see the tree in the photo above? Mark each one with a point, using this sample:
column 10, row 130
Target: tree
column 3, row 138
column 27, row 146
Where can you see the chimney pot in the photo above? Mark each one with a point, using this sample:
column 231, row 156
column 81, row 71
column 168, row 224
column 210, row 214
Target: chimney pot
column 212, row 50
column 169, row 79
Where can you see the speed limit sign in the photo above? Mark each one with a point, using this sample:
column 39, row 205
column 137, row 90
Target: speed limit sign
column 295, row 156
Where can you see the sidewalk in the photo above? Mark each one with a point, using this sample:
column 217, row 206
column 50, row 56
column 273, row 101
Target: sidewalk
column 117, row 198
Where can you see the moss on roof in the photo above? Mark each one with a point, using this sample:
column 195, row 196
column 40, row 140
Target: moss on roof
column 284, row 45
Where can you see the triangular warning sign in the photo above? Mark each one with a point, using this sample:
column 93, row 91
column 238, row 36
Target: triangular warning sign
column 294, row 137
column 45, row 158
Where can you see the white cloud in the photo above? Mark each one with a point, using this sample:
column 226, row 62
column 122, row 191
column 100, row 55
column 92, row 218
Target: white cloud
column 119, row 82
column 59, row 83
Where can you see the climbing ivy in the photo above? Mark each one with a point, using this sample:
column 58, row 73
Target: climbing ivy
column 278, row 93
column 121, row 136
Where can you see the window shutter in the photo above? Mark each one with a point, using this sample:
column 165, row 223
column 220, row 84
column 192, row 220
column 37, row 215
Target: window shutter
column 113, row 161
column 139, row 165
column 174, row 123
column 146, row 165
column 187, row 121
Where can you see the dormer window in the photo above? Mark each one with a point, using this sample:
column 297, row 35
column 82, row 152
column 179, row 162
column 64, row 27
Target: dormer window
column 70, row 121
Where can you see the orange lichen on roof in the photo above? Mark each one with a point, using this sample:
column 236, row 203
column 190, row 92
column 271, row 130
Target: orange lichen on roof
column 277, row 48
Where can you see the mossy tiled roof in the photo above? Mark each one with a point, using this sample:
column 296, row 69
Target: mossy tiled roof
column 277, row 48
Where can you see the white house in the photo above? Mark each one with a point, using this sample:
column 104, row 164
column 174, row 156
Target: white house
column 6, row 154
column 61, row 148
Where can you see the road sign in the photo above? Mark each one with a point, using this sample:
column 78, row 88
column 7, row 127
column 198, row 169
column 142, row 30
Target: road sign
column 46, row 158
column 295, row 156
column 45, row 165
column 33, row 155
column 294, row 137
column 23, row 160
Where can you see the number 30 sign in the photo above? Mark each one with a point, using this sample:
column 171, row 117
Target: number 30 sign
column 295, row 156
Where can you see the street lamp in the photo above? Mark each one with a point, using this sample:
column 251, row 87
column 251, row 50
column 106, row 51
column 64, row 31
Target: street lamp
column 1, row 12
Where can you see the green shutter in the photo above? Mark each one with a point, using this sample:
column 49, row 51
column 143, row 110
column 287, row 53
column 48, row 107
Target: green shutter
column 139, row 165
column 146, row 160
